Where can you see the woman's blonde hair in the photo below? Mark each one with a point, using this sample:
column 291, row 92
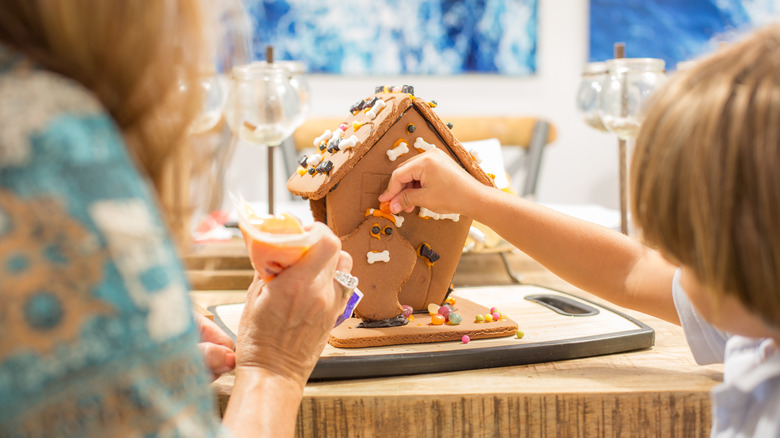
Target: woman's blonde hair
column 142, row 59
column 705, row 175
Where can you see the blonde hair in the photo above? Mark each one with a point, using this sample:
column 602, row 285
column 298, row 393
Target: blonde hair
column 705, row 175
column 142, row 59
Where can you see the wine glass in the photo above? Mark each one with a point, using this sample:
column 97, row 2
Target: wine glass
column 588, row 93
column 263, row 108
column 624, row 92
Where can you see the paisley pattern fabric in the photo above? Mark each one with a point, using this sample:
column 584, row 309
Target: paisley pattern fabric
column 97, row 337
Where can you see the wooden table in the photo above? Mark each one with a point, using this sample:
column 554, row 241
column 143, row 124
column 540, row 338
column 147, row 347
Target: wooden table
column 655, row 392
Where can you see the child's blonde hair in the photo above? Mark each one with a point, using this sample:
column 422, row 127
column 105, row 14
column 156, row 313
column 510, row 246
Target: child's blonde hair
column 705, row 175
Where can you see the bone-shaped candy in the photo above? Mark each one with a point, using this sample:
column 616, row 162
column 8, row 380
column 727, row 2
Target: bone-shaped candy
column 397, row 151
column 422, row 145
column 325, row 136
column 314, row 159
column 375, row 256
column 349, row 143
column 375, row 109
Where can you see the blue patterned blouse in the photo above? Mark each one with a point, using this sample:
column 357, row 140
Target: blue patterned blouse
column 97, row 337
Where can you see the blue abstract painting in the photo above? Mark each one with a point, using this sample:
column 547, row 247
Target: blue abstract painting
column 422, row 37
column 670, row 29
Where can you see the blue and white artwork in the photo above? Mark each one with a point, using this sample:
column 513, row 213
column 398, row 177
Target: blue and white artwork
column 422, row 37
column 672, row 30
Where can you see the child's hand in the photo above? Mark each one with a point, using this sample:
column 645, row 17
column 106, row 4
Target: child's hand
column 431, row 180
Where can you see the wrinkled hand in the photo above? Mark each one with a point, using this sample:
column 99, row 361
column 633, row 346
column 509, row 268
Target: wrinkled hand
column 431, row 180
column 286, row 322
column 216, row 347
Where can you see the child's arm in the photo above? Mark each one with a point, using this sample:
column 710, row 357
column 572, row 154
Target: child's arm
column 591, row 257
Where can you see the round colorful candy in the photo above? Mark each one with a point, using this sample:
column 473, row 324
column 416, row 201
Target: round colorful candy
column 407, row 310
column 496, row 316
column 433, row 309
column 479, row 318
column 444, row 310
column 437, row 319
column 488, row 318
column 454, row 318
column 519, row 334
column 465, row 339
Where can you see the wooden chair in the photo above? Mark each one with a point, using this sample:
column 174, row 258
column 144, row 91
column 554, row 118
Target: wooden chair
column 530, row 134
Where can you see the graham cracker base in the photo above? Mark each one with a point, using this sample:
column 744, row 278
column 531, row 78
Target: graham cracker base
column 421, row 331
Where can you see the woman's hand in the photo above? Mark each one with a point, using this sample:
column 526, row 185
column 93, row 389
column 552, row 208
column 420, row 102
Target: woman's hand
column 216, row 346
column 287, row 321
column 431, row 180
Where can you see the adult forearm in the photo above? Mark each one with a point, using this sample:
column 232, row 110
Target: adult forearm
column 263, row 404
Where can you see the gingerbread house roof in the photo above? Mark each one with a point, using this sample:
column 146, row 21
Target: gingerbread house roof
column 368, row 121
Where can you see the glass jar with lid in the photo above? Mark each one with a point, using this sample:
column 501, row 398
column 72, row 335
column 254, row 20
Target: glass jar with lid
column 629, row 84
column 588, row 92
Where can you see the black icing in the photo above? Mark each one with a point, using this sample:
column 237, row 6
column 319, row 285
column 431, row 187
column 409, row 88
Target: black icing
column 311, row 171
column 450, row 125
column 371, row 102
column 408, row 89
column 379, row 88
column 302, row 160
column 428, row 253
column 396, row 321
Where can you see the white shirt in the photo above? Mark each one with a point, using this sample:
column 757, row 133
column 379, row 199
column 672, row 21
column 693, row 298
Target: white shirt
column 747, row 403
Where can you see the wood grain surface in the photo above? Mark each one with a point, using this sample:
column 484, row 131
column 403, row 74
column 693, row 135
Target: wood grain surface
column 653, row 392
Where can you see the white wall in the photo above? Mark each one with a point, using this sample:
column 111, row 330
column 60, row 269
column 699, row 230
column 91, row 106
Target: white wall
column 579, row 167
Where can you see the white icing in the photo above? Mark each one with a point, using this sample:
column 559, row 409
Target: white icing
column 424, row 212
column 422, row 145
column 375, row 256
column 314, row 159
column 324, row 137
column 475, row 155
column 397, row 151
column 349, row 143
column 376, row 108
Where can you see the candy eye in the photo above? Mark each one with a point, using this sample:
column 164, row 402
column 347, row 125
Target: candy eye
column 388, row 231
column 375, row 230
column 410, row 128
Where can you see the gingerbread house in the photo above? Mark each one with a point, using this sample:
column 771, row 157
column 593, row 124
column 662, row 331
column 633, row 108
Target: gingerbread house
column 404, row 259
